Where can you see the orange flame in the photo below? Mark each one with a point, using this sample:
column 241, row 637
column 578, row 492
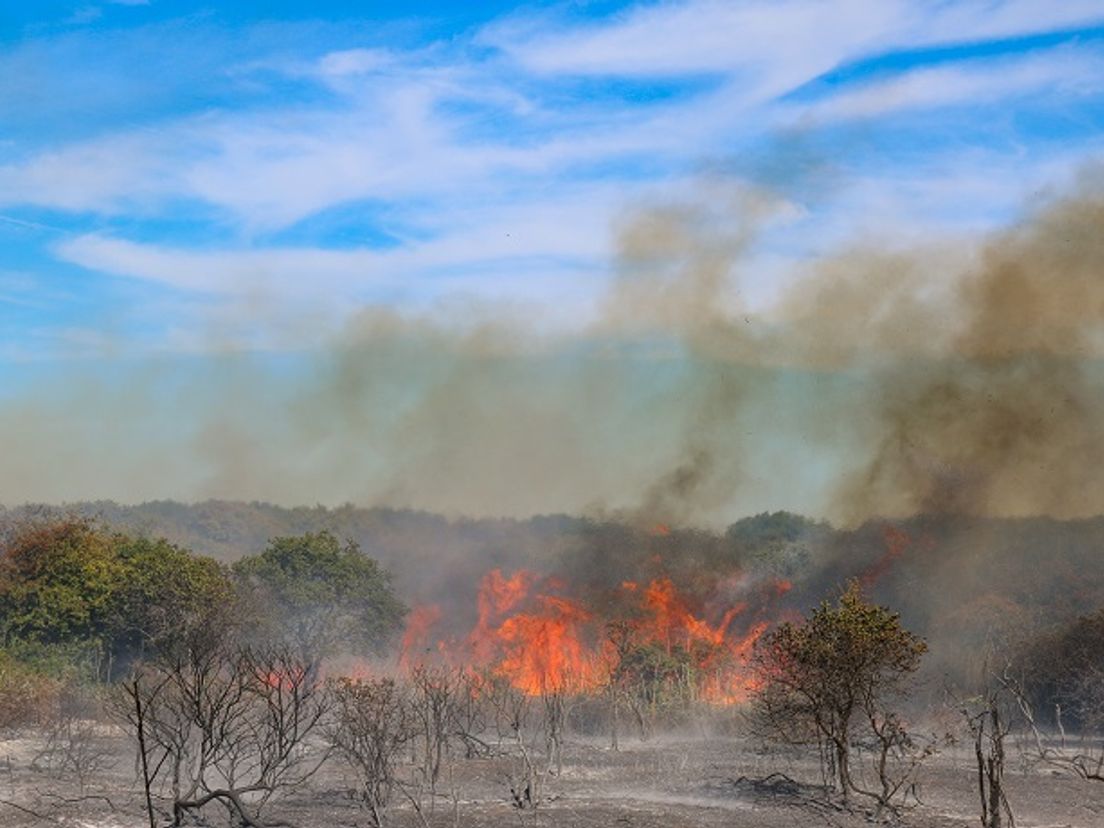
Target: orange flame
column 415, row 639
column 543, row 651
column 671, row 617
column 541, row 640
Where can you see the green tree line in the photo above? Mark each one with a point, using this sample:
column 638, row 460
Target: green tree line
column 77, row 595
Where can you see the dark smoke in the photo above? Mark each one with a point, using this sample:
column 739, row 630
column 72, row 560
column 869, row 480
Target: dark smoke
column 1010, row 420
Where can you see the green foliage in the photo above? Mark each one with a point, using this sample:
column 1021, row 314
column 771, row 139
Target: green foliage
column 839, row 666
column 73, row 594
column 656, row 673
column 161, row 586
column 960, row 579
column 779, row 544
column 56, row 582
column 840, row 656
column 773, row 527
column 78, row 660
column 320, row 594
column 665, row 676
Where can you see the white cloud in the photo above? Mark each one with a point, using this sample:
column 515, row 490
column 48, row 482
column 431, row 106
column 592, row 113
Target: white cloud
column 783, row 37
column 354, row 62
column 970, row 21
column 413, row 126
column 701, row 36
column 560, row 244
column 1057, row 73
column 567, row 232
column 268, row 170
column 103, row 175
column 497, row 180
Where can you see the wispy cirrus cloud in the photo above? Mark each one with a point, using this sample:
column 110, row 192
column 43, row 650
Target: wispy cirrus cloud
column 1064, row 73
column 793, row 38
column 786, row 38
column 399, row 140
column 290, row 156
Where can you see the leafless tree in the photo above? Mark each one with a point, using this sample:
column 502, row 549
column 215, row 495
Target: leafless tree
column 131, row 705
column 470, row 712
column 512, row 711
column 989, row 726
column 216, row 723
column 371, row 729
column 553, row 725
column 1081, row 756
column 433, row 712
column 74, row 746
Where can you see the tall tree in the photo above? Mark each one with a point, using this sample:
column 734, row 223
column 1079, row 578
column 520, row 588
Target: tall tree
column 160, row 589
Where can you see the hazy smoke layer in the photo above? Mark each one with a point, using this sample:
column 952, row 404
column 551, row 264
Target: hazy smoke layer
column 1007, row 418
column 883, row 382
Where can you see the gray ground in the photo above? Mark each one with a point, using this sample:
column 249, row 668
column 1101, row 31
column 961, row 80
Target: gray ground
column 664, row 782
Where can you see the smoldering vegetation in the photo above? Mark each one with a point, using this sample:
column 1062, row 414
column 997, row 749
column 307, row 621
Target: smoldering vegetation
column 551, row 671
column 958, row 581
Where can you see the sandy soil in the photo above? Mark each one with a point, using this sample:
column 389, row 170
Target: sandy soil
column 662, row 783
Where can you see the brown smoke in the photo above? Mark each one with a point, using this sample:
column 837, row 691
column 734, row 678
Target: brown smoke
column 976, row 370
column 676, row 271
column 1009, row 419
column 960, row 377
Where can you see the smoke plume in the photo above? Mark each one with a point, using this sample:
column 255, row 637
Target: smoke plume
column 957, row 378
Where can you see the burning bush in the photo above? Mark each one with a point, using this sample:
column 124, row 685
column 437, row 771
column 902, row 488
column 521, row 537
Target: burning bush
column 646, row 640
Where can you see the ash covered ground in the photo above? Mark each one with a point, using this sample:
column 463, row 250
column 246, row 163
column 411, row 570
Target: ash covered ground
column 685, row 779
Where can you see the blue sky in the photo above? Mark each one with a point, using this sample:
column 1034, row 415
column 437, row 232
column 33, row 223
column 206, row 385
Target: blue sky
column 182, row 180
column 163, row 162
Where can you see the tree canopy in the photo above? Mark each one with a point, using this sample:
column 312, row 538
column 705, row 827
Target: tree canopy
column 71, row 583
column 321, row 594
column 57, row 581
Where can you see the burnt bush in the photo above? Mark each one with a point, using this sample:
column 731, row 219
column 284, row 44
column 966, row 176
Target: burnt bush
column 1063, row 673
column 27, row 696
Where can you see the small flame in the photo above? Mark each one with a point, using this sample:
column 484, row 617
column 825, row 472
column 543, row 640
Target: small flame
column 897, row 543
